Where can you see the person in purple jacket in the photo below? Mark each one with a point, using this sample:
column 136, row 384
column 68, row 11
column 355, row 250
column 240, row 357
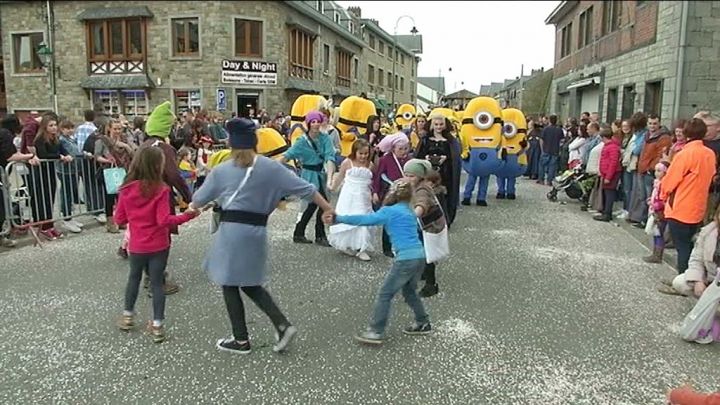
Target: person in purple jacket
column 389, row 169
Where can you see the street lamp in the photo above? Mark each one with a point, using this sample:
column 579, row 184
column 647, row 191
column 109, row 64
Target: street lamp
column 44, row 53
column 413, row 31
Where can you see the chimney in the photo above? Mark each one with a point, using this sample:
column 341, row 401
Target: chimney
column 355, row 10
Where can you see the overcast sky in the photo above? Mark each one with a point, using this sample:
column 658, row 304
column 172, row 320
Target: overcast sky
column 482, row 41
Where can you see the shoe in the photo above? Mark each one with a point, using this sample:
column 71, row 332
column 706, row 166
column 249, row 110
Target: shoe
column 466, row 201
column 500, row 196
column 112, row 227
column 639, row 225
column 48, row 234
column 667, row 281
column 122, row 253
column 622, row 215
column 71, row 227
column 656, row 257
column 369, row 337
column 7, row 242
column 284, row 338
column 592, row 211
column 417, row 329
column 429, row 290
column 349, row 252
column 322, row 242
column 583, row 208
column 156, row 332
column 389, row 254
column 126, row 323
column 77, row 223
column 102, row 218
column 363, row 256
column 482, row 203
column 511, row 196
column 539, row 181
column 601, row 218
column 233, row 346
column 549, row 183
column 302, row 239
column 170, row 287
column 58, row 234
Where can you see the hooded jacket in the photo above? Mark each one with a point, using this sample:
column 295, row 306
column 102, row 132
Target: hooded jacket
column 610, row 164
column 149, row 218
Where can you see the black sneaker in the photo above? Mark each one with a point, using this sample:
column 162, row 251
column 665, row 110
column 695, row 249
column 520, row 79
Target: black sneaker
column 465, row 201
column 389, row 253
column 482, row 203
column 322, row 242
column 429, row 290
column 233, row 346
column 302, row 239
column 284, row 338
column 415, row 329
column 500, row 196
column 511, row 196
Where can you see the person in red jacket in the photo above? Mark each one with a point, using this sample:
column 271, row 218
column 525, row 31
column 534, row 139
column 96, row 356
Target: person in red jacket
column 686, row 395
column 143, row 205
column 610, row 171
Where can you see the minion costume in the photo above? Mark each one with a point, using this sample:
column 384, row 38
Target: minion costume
column 352, row 121
column 480, row 135
column 404, row 119
column 513, row 155
column 303, row 105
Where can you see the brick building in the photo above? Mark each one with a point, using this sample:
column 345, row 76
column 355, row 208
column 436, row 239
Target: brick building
column 618, row 57
column 126, row 57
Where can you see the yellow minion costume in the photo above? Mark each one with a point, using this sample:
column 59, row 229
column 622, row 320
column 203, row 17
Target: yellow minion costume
column 480, row 135
column 514, row 159
column 353, row 116
column 303, row 105
column 404, row 120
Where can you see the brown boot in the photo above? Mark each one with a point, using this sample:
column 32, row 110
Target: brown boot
column 656, row 256
column 170, row 287
column 111, row 226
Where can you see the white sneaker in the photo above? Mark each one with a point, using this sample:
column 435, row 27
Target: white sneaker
column 77, row 223
column 349, row 252
column 7, row 242
column 71, row 227
column 101, row 218
column 363, row 256
column 622, row 215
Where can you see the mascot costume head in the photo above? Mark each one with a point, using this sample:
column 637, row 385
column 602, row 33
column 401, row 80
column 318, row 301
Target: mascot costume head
column 513, row 143
column 480, row 133
column 352, row 118
column 303, row 105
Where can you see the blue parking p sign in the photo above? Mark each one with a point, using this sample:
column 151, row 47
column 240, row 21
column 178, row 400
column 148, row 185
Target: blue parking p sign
column 221, row 100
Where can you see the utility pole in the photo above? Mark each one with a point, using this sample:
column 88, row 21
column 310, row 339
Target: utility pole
column 395, row 53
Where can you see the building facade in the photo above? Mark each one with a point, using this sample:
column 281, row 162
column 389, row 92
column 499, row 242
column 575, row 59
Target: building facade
column 528, row 93
column 618, row 57
column 430, row 91
column 229, row 56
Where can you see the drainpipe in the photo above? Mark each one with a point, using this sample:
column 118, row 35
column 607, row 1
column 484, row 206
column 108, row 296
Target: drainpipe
column 682, row 46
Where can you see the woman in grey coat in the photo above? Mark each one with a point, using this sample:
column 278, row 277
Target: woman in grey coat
column 248, row 187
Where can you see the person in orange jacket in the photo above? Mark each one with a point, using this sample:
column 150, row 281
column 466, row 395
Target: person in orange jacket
column 685, row 190
column 686, row 395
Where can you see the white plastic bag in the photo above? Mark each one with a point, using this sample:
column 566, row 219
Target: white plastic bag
column 437, row 246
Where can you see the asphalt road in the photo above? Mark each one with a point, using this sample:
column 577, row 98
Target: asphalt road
column 539, row 304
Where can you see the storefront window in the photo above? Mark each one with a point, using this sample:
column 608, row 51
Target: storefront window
column 187, row 100
column 127, row 102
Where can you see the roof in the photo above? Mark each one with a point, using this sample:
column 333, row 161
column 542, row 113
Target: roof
column 326, row 21
column 435, row 83
column 411, row 42
column 560, row 11
column 117, row 82
column 484, row 89
column 373, row 26
column 462, row 94
column 106, row 13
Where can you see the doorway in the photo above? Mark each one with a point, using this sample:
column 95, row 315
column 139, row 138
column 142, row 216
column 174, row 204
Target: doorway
column 246, row 104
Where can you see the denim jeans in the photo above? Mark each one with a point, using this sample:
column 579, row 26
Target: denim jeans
column 682, row 235
column 482, row 183
column 403, row 276
column 627, row 186
column 68, row 193
column 548, row 166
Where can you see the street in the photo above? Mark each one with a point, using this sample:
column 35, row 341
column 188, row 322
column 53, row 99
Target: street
column 539, row 304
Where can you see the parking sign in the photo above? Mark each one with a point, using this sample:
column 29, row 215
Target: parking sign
column 221, row 100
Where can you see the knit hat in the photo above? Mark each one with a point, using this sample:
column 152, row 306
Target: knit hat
column 160, row 121
column 418, row 167
column 314, row 116
column 242, row 133
column 389, row 142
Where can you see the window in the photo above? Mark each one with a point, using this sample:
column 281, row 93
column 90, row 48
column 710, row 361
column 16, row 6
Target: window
column 612, row 13
column 402, row 59
column 301, row 54
column 343, row 68
column 628, row 101
column 653, row 97
column 372, row 42
column 381, row 77
column 389, row 79
column 612, row 105
column 336, row 17
column 187, row 100
column 371, row 74
column 320, row 6
column 402, row 84
column 565, row 42
column 127, row 102
column 25, row 52
column 326, row 59
column 356, row 67
column 248, row 38
column 116, row 40
column 351, row 27
column 397, row 83
column 185, row 36
column 381, row 50
column 586, row 27
column 397, row 54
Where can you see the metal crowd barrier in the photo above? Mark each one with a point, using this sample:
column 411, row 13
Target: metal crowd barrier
column 54, row 191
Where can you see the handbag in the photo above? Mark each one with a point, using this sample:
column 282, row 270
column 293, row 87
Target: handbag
column 114, row 177
column 437, row 245
column 215, row 220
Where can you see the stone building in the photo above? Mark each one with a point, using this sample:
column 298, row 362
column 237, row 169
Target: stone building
column 126, row 57
column 528, row 93
column 618, row 57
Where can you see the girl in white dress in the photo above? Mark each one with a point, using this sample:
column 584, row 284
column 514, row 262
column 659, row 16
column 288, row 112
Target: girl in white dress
column 355, row 199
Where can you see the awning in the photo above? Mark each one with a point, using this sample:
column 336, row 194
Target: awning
column 106, row 13
column 380, row 104
column 117, row 82
column 584, row 82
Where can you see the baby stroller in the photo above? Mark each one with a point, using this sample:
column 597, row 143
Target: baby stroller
column 569, row 181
